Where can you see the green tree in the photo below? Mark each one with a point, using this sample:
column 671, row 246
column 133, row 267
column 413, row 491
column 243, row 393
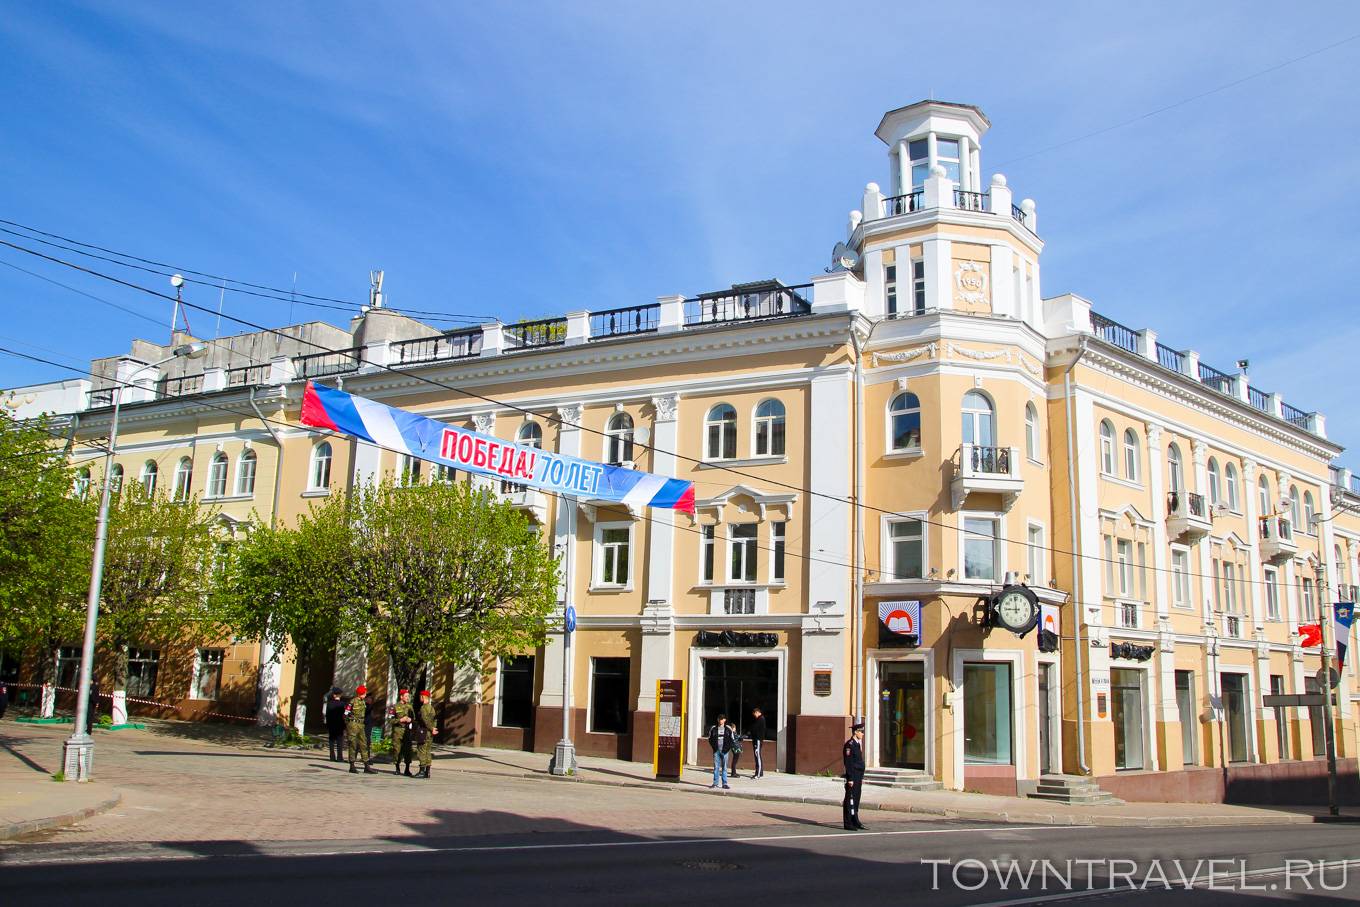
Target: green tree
column 292, row 587
column 158, row 573
column 447, row 573
column 46, row 536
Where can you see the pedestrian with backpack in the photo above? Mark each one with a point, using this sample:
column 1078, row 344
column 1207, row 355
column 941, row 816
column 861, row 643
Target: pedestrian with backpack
column 721, row 738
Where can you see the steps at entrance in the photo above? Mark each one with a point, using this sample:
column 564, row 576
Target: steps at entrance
column 1074, row 790
column 901, row 779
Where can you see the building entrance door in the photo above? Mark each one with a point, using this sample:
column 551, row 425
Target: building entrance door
column 1045, row 719
column 902, row 714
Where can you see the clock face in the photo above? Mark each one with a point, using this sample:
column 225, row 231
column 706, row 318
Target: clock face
column 1015, row 611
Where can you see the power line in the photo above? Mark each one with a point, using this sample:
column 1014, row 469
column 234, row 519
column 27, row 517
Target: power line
column 357, row 358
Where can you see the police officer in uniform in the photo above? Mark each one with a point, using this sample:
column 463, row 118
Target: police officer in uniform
column 403, row 713
column 425, row 730
column 853, row 754
column 357, row 733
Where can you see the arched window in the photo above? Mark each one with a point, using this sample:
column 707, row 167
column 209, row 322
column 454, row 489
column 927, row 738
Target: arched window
column 1107, row 448
column 149, row 472
column 1031, row 431
column 979, row 420
column 217, row 476
column 1230, row 487
column 904, row 418
column 530, row 434
column 184, row 479
column 1295, row 508
column 82, row 484
column 1214, row 496
column 720, row 428
column 1130, row 455
column 1339, row 559
column 1308, row 512
column 1175, row 469
column 116, row 478
column 619, row 439
column 769, row 429
column 245, row 472
column 1263, row 492
column 319, row 476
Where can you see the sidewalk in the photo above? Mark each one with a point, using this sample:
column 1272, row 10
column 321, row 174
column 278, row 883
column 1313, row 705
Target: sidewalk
column 30, row 801
column 829, row 791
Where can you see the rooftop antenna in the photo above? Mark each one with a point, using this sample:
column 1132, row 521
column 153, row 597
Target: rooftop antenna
column 375, row 282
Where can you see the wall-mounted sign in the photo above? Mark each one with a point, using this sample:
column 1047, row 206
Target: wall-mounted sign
column 899, row 623
column 1050, row 628
column 710, row 639
column 1129, row 651
column 668, row 749
column 821, row 679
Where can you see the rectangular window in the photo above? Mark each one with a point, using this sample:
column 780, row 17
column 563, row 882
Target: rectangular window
column 1109, row 565
column 918, row 285
column 1180, row 578
column 1272, row 594
column 1142, row 572
column 1281, row 719
column 1035, row 555
column 742, row 539
column 408, row 470
column 979, row 548
column 612, row 564
column 609, row 695
column 987, row 714
column 1124, row 558
column 904, row 537
column 68, row 666
column 890, row 288
column 1185, row 706
column 777, row 556
column 919, row 152
column 143, row 666
column 208, row 674
column 947, row 156
column 1309, row 603
column 515, row 692
column 1229, row 587
column 1218, row 586
column 739, row 601
column 706, row 543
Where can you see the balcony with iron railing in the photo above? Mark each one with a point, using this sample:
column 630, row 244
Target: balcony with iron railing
column 980, row 469
column 332, row 362
column 1277, row 538
column 1346, row 592
column 1187, row 515
column 625, row 322
column 181, row 386
column 939, row 195
column 532, row 335
column 748, row 302
column 897, row 205
column 443, row 348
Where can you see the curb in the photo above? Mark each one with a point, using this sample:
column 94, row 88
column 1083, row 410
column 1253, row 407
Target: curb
column 28, row 827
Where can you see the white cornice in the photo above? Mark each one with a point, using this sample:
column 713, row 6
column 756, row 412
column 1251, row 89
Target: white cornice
column 955, row 217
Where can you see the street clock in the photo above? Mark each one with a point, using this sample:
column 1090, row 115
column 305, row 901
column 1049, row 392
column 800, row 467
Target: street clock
column 1014, row 608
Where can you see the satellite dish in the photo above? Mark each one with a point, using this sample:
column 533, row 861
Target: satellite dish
column 642, row 435
column 844, row 258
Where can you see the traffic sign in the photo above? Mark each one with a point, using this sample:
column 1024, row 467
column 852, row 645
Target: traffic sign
column 1335, row 679
column 571, row 618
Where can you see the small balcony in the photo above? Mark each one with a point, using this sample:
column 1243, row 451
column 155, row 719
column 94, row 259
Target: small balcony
column 1187, row 515
column 987, row 470
column 1277, row 538
column 522, row 497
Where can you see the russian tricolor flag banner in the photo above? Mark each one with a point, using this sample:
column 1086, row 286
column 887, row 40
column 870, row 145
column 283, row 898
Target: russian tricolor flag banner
column 432, row 440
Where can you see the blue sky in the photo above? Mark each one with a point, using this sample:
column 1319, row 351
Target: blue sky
column 528, row 159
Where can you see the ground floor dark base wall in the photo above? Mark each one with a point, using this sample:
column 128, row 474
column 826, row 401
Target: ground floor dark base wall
column 1302, row 783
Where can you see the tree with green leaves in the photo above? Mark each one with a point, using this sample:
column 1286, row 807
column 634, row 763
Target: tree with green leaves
column 46, row 538
column 158, row 574
column 447, row 573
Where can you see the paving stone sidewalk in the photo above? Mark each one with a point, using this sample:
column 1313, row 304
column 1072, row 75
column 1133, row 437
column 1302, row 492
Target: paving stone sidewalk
column 30, row 800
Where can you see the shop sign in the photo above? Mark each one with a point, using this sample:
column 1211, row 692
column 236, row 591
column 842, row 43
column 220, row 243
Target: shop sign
column 1130, row 652
column 899, row 623
column 730, row 639
column 668, row 749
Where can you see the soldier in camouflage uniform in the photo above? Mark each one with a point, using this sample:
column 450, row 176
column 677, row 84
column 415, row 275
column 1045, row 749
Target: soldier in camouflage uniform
column 424, row 730
column 403, row 713
column 357, row 733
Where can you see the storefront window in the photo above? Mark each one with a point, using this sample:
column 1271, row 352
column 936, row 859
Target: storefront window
column 1127, row 710
column 516, row 691
column 1185, row 706
column 1235, row 713
column 987, row 714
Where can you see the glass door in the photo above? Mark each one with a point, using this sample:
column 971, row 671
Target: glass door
column 1045, row 719
column 1235, row 713
column 902, row 715
column 1126, row 687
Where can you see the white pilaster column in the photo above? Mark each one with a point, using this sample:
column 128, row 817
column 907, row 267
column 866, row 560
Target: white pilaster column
column 565, row 542
column 875, row 292
column 1004, row 298
column 658, row 623
column 966, row 165
column 1156, row 456
column 1249, row 499
column 830, row 527
column 1199, row 452
column 903, row 168
column 938, row 255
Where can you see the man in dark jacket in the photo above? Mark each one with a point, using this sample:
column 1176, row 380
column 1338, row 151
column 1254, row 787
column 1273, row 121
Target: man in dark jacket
column 757, row 730
column 4, row 700
column 853, row 756
column 335, row 724
column 374, row 717
column 720, row 738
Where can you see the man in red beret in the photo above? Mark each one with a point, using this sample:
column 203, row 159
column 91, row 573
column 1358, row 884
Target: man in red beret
column 423, row 731
column 357, row 734
column 403, row 713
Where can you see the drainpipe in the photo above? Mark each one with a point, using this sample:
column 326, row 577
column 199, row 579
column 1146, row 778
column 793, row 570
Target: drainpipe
column 857, row 674
column 1077, row 590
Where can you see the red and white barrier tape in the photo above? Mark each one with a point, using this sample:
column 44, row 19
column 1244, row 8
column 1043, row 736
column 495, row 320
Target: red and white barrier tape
column 109, row 696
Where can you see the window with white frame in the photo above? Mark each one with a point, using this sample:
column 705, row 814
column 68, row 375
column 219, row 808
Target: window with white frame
column 1124, row 563
column 1230, row 590
column 1263, row 494
column 208, row 673
column 947, row 156
column 979, row 419
column 918, row 285
column 1309, row 512
column 1180, row 577
column 1295, row 509
column 1175, row 469
column 612, row 560
column 720, row 432
column 918, row 150
column 769, row 429
column 1309, row 600
column 530, row 434
column 619, row 439
column 1215, row 486
column 409, row 470
column 1131, row 457
column 150, row 472
column 1034, row 554
column 1230, row 487
column 906, row 549
column 741, row 542
column 777, row 529
column 1272, row 593
column 143, row 666
column 319, row 474
column 890, row 289
column 981, row 554
column 904, row 418
column 245, row 472
column 1128, row 615
column 1107, row 448
column 217, row 476
column 1032, row 432
column 82, row 483
column 184, row 478
column 116, row 478
column 707, row 543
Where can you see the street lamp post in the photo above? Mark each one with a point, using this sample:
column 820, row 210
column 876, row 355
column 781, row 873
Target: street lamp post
column 564, row 754
column 78, row 752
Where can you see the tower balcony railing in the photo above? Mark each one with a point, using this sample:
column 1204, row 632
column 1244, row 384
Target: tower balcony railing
column 896, row 205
